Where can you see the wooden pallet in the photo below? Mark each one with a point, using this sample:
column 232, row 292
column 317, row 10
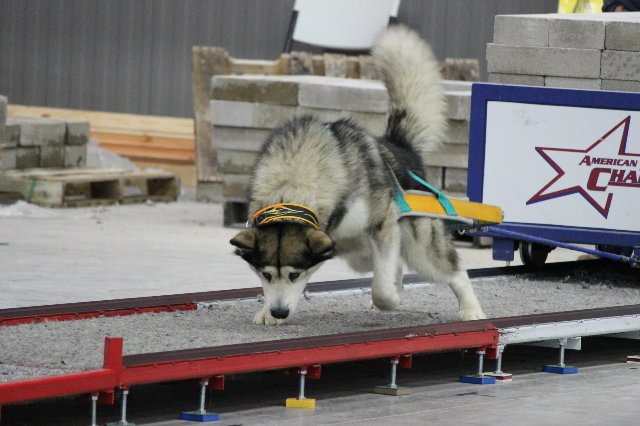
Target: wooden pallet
column 89, row 187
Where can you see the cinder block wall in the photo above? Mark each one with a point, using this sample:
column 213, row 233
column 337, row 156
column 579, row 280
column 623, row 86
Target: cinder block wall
column 593, row 51
column 245, row 109
column 27, row 143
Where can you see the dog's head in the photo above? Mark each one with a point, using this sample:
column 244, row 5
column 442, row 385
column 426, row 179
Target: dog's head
column 284, row 256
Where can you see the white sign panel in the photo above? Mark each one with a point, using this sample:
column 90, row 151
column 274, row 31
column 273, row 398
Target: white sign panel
column 567, row 166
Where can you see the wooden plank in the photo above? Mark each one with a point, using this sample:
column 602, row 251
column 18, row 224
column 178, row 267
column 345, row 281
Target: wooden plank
column 150, row 154
column 145, row 141
column 111, row 122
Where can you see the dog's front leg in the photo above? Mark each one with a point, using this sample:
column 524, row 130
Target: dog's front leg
column 263, row 316
column 385, row 248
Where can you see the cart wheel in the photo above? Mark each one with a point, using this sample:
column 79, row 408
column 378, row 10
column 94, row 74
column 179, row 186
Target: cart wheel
column 533, row 254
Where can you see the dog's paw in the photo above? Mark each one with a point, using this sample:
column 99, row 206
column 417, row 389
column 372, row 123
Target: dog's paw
column 471, row 313
column 386, row 302
column 264, row 317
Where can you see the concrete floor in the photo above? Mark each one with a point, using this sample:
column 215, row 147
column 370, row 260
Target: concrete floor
column 602, row 395
column 70, row 255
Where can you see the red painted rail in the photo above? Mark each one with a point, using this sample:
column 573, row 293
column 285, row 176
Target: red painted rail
column 131, row 370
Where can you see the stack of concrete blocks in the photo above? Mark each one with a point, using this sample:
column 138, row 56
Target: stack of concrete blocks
column 245, row 109
column 579, row 51
column 31, row 142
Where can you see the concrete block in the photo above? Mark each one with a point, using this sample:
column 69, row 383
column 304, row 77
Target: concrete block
column 28, row 157
column 435, row 176
column 39, row 131
column 9, row 135
column 521, row 30
column 577, row 34
column 235, row 187
column 450, row 155
column 209, row 192
column 619, row 65
column 621, row 85
column 52, row 156
column 75, row 156
column 236, row 162
column 458, row 105
column 3, row 110
column 554, row 61
column 261, row 89
column 8, row 158
column 457, row 132
column 247, row 114
column 516, row 79
column 573, row 83
column 455, row 180
column 342, row 94
column 323, row 114
column 375, row 123
column 456, row 86
column 622, row 36
column 239, row 138
column 77, row 132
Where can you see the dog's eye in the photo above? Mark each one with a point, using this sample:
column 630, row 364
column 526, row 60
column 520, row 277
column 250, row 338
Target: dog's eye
column 267, row 276
column 294, row 276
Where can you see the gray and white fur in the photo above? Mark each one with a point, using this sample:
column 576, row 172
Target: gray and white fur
column 343, row 173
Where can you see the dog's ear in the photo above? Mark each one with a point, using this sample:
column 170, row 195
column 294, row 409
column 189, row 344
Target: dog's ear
column 320, row 243
column 245, row 240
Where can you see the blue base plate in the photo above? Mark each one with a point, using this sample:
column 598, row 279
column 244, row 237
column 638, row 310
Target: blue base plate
column 195, row 416
column 556, row 369
column 478, row 380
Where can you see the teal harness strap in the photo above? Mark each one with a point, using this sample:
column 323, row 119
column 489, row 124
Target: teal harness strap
column 442, row 199
column 398, row 197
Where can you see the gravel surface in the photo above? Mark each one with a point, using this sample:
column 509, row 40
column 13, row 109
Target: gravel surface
column 78, row 345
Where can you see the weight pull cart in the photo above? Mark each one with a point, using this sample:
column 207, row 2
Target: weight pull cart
column 563, row 164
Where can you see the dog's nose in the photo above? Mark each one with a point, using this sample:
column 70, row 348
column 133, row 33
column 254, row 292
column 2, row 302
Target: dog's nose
column 280, row 313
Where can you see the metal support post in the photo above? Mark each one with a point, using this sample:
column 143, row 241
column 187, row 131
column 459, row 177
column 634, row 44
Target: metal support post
column 479, row 378
column 302, row 373
column 560, row 368
column 201, row 414
column 394, row 367
column 123, row 411
column 499, row 374
column 392, row 388
column 301, row 401
column 563, row 343
column 480, row 362
column 499, row 360
column 94, row 409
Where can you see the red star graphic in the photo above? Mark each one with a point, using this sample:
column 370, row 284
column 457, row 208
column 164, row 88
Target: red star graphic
column 589, row 194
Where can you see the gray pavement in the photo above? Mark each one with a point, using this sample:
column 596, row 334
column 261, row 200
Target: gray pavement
column 51, row 256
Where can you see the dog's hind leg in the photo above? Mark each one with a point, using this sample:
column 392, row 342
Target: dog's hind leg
column 385, row 250
column 428, row 250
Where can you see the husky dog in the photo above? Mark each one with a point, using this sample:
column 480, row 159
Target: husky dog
column 325, row 189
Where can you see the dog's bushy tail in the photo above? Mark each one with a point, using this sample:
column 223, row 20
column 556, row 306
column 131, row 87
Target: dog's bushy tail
column 417, row 104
